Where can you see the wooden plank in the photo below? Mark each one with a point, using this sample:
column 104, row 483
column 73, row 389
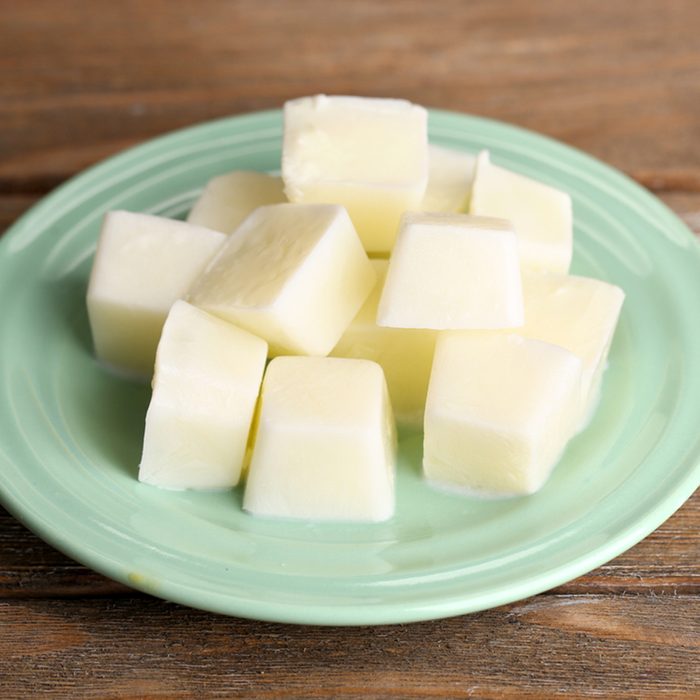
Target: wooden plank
column 668, row 561
column 13, row 206
column 686, row 205
column 79, row 84
column 554, row 646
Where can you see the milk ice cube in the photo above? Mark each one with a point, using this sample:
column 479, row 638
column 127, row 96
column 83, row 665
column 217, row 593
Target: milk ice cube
column 541, row 215
column 450, row 175
column 206, row 384
column 452, row 271
column 579, row 314
column 405, row 355
column 500, row 411
column 294, row 274
column 325, row 447
column 228, row 199
column 368, row 154
column 143, row 264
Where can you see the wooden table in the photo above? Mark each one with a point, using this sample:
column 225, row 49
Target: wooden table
column 82, row 80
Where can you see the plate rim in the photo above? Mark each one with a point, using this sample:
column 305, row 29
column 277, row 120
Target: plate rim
column 354, row 614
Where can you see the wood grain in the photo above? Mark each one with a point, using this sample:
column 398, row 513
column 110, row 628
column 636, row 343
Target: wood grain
column 13, row 206
column 83, row 80
column 550, row 646
column 619, row 81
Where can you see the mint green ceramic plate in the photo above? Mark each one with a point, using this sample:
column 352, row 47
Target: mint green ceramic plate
column 70, row 434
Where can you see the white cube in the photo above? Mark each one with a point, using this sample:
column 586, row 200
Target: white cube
column 579, row 314
column 368, row 154
column 450, row 175
column 405, row 355
column 326, row 443
column 228, row 199
column 294, row 274
column 541, row 215
column 142, row 266
column 500, row 411
column 206, row 384
column 453, row 271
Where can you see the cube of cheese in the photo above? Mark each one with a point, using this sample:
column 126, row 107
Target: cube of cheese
column 326, row 444
column 450, row 175
column 541, row 215
column 452, row 271
column 499, row 413
column 368, row 154
column 294, row 274
column 142, row 266
column 405, row 355
column 579, row 314
column 206, row 384
column 228, row 199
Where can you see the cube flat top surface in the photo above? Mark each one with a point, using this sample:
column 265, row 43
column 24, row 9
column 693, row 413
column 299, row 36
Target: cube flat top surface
column 318, row 392
column 256, row 263
column 452, row 271
column 501, row 381
column 343, row 140
column 146, row 261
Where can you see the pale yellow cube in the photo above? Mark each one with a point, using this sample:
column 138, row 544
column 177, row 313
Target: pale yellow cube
column 500, row 411
column 206, row 384
column 450, row 176
column 228, row 199
column 143, row 264
column 405, row 355
column 294, row 274
column 326, row 443
column 368, row 154
column 452, row 271
column 579, row 314
column 541, row 215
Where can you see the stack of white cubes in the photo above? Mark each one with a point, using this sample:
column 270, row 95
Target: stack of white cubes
column 466, row 322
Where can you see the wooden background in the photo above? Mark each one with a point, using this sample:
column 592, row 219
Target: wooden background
column 621, row 80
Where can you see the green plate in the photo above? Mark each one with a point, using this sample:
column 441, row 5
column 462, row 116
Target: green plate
column 70, row 434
